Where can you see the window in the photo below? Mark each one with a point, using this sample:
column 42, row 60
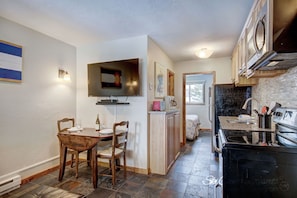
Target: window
column 195, row 92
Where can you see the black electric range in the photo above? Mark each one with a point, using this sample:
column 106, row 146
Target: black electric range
column 261, row 164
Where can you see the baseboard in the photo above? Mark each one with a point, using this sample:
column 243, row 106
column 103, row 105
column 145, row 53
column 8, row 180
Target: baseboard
column 40, row 174
column 141, row 171
column 34, row 169
column 103, row 164
column 129, row 168
column 205, row 129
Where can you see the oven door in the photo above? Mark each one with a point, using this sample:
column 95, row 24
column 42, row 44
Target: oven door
column 286, row 136
column 218, row 190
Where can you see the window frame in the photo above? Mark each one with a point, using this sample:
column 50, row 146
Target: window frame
column 199, row 82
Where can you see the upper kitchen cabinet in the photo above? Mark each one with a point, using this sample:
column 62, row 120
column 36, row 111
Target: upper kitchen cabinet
column 270, row 42
column 239, row 65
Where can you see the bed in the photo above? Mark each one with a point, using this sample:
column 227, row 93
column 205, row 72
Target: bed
column 192, row 126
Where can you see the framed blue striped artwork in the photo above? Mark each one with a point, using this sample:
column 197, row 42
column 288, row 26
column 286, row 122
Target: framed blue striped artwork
column 10, row 62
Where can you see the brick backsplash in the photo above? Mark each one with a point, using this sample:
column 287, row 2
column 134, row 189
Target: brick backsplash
column 281, row 89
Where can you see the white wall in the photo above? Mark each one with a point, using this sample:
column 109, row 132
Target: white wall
column 135, row 112
column 156, row 55
column 29, row 110
column 221, row 67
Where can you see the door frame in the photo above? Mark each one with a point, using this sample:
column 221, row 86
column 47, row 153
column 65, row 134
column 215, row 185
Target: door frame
column 213, row 73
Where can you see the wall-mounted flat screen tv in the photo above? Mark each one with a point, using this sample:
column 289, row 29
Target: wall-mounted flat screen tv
column 114, row 78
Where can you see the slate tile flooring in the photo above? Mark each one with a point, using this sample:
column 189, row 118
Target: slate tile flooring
column 187, row 178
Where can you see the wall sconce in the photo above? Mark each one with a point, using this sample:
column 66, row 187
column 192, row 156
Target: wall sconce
column 204, row 53
column 132, row 83
column 63, row 74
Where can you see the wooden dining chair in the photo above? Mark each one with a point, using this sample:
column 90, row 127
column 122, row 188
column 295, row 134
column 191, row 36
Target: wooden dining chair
column 63, row 125
column 117, row 150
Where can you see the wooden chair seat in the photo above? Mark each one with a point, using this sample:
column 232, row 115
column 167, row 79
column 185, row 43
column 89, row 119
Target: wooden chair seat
column 107, row 153
column 117, row 150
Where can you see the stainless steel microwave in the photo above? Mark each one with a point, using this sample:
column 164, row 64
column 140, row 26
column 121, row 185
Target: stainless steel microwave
column 271, row 39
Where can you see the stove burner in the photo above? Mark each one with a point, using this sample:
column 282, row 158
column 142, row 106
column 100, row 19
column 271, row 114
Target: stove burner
column 235, row 139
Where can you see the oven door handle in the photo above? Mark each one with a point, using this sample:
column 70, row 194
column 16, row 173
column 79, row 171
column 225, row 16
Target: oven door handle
column 287, row 138
column 221, row 140
column 217, row 186
column 217, row 149
column 287, row 131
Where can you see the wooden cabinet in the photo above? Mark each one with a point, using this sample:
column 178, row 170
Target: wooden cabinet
column 164, row 140
column 239, row 62
column 245, row 53
column 177, row 134
column 170, row 140
column 239, row 67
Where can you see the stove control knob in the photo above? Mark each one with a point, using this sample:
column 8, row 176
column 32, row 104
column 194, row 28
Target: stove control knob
column 278, row 114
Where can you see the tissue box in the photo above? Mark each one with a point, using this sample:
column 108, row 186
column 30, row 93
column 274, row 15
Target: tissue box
column 158, row 105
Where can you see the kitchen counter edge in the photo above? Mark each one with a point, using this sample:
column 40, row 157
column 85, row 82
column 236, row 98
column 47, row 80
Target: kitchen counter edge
column 226, row 125
column 164, row 112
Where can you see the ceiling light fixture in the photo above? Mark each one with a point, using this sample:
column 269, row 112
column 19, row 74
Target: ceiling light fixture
column 204, row 53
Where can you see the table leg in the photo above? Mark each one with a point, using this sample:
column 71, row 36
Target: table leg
column 63, row 154
column 94, row 166
column 89, row 157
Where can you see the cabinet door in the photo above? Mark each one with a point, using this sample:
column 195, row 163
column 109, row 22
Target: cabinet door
column 235, row 65
column 176, row 134
column 158, row 139
column 170, row 140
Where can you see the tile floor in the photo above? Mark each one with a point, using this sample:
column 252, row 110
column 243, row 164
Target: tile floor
column 187, row 178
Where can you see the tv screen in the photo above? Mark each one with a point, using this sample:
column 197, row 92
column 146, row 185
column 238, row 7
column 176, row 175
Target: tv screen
column 115, row 78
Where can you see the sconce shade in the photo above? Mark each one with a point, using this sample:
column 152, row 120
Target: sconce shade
column 64, row 75
column 204, row 53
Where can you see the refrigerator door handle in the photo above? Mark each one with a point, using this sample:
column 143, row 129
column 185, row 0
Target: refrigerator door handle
column 209, row 105
column 209, row 113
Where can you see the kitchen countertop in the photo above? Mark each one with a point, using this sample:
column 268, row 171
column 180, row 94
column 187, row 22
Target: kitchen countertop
column 231, row 123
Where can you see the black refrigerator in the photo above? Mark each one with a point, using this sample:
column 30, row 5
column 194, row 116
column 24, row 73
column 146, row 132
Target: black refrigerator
column 227, row 100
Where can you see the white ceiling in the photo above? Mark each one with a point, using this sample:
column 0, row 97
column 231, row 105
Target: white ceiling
column 179, row 27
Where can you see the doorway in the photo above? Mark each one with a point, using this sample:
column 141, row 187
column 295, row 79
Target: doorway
column 197, row 99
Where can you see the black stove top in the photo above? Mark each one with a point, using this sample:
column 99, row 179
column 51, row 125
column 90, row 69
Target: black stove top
column 284, row 136
column 255, row 138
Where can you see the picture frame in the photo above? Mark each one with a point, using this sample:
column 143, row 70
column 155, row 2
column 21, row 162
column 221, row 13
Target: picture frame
column 160, row 74
column 10, row 62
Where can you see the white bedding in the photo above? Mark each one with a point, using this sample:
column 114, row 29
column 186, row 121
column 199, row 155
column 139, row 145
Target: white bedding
column 192, row 126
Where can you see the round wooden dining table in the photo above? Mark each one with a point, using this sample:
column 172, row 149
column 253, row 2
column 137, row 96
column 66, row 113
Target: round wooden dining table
column 81, row 140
